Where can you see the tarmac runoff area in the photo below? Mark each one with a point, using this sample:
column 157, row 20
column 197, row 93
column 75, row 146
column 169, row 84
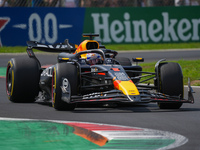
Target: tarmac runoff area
column 22, row 134
column 29, row 134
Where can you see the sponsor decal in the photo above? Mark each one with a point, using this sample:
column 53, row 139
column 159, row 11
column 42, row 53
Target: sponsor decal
column 167, row 30
column 3, row 22
column 144, row 25
column 94, row 69
column 47, row 72
column 121, row 76
column 52, row 29
column 44, row 25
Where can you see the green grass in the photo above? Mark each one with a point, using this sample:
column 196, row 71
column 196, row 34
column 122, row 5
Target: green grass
column 153, row 46
column 16, row 49
column 190, row 68
column 21, row 49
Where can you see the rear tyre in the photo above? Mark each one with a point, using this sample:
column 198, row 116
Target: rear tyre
column 22, row 79
column 64, row 71
column 171, row 83
column 124, row 61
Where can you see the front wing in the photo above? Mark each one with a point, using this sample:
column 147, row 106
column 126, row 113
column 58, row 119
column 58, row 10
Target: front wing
column 144, row 97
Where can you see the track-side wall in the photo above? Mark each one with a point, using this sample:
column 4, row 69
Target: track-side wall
column 115, row 25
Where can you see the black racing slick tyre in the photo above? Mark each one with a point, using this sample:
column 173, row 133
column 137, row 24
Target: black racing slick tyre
column 61, row 72
column 171, row 83
column 124, row 61
column 22, row 80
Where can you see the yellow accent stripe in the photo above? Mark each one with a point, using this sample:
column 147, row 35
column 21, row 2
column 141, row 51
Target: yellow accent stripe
column 128, row 88
column 55, row 77
column 12, row 83
column 10, row 63
column 65, row 58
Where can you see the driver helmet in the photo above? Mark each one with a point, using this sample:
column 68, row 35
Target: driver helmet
column 92, row 58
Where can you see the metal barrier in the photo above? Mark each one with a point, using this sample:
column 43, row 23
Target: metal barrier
column 96, row 3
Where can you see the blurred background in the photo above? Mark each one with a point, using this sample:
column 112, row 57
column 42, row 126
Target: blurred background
column 97, row 3
column 116, row 21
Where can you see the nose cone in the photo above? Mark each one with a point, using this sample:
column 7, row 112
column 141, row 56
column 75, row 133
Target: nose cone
column 128, row 88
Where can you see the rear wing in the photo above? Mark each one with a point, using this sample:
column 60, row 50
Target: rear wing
column 56, row 48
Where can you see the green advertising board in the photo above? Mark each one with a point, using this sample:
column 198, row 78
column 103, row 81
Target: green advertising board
column 144, row 25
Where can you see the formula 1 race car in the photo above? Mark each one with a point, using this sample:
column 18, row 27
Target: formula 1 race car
column 91, row 73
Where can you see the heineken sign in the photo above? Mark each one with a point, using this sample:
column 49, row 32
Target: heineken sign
column 122, row 25
column 144, row 25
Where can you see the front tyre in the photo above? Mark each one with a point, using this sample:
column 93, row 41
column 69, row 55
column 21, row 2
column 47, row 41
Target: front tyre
column 123, row 61
column 63, row 71
column 22, row 79
column 171, row 83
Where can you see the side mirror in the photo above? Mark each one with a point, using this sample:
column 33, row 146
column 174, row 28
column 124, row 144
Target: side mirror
column 138, row 60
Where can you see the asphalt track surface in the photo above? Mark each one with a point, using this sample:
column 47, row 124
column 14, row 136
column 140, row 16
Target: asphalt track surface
column 185, row 121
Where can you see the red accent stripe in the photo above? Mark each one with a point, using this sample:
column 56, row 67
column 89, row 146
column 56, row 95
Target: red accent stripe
column 167, row 99
column 94, row 100
column 46, row 66
column 2, row 77
column 115, row 69
column 102, row 74
column 116, row 83
column 99, row 127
